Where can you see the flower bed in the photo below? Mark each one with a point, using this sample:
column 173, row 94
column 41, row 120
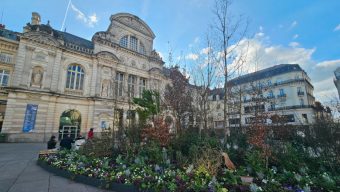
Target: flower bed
column 120, row 174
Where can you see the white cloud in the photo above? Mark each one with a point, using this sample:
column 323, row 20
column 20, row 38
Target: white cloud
column 260, row 34
column 331, row 63
column 294, row 44
column 295, row 36
column 88, row 20
column 294, row 24
column 160, row 54
column 261, row 54
column 205, row 50
column 337, row 28
column 93, row 19
column 192, row 56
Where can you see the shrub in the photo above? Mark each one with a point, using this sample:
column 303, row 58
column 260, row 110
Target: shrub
column 99, row 147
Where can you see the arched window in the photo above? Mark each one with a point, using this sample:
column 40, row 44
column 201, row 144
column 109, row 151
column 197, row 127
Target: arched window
column 133, row 43
column 124, row 41
column 141, row 48
column 75, row 77
column 4, row 77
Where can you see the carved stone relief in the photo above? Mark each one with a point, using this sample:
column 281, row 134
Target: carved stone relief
column 37, row 76
column 133, row 23
column 40, row 56
column 105, row 88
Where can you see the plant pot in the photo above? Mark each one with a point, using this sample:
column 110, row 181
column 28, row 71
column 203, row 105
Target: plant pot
column 247, row 179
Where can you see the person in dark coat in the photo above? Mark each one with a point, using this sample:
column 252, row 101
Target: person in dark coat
column 66, row 143
column 51, row 144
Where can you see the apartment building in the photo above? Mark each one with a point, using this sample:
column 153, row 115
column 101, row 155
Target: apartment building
column 283, row 90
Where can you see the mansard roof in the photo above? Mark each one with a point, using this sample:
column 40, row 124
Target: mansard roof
column 69, row 38
column 266, row 73
column 133, row 22
column 9, row 34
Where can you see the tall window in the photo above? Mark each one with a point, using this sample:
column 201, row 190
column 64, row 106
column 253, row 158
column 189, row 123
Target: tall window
column 124, row 41
column 142, row 86
column 75, row 77
column 271, row 94
column 133, row 43
column 282, row 92
column 269, row 83
column 141, row 48
column 131, row 85
column 119, row 84
column 302, row 102
column 299, row 89
column 6, row 58
column 4, row 77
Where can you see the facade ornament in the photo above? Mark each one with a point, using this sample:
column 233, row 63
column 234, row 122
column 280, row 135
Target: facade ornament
column 52, row 54
column 37, row 75
column 105, row 88
column 29, row 48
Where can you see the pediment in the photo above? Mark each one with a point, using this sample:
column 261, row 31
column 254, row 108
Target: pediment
column 103, row 35
column 107, row 55
column 133, row 22
column 42, row 38
column 155, row 70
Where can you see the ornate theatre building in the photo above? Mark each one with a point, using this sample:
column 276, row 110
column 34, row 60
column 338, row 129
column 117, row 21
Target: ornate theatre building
column 53, row 82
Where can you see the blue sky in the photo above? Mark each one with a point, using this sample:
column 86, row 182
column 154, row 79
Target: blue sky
column 305, row 32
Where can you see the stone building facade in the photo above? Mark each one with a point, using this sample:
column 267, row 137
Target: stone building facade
column 60, row 83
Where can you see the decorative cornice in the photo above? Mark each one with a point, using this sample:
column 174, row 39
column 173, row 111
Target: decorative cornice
column 29, row 48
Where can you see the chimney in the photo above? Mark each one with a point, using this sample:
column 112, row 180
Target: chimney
column 35, row 20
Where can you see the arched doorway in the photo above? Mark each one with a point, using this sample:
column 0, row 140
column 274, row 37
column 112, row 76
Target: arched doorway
column 69, row 124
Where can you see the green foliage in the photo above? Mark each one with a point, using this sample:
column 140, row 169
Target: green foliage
column 153, row 153
column 149, row 104
column 98, row 147
column 255, row 162
column 292, row 158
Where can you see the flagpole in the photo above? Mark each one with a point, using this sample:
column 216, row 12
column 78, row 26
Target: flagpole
column 68, row 6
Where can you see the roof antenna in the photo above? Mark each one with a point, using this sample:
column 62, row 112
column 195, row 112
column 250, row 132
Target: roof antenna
column 68, row 6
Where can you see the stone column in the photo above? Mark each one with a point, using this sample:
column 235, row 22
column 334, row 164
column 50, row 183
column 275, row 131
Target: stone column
column 48, row 71
column 95, row 78
column 98, row 79
column 19, row 65
column 25, row 75
column 58, row 69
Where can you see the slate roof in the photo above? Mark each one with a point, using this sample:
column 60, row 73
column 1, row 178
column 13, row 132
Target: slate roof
column 67, row 37
column 9, row 34
column 265, row 73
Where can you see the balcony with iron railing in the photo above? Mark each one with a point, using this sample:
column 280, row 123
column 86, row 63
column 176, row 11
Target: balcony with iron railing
column 289, row 107
column 283, row 95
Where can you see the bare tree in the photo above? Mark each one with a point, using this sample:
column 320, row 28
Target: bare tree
column 204, row 77
column 230, row 31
